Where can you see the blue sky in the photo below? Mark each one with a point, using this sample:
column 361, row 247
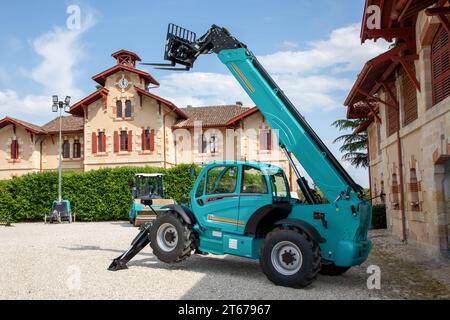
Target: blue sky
column 311, row 47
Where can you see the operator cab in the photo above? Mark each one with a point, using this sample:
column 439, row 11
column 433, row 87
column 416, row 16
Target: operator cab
column 228, row 193
column 148, row 186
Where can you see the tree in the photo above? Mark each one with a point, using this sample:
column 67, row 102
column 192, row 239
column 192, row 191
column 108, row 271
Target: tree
column 354, row 146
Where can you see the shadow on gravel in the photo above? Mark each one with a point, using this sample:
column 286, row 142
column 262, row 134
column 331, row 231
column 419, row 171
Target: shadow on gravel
column 124, row 225
column 97, row 248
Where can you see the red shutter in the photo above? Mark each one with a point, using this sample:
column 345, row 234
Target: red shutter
column 14, row 149
column 130, row 141
column 440, row 66
column 392, row 113
column 269, row 140
column 116, row 141
column 104, row 142
column 143, row 140
column 152, row 140
column 409, row 98
column 94, row 142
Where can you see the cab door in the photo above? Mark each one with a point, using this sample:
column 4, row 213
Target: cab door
column 216, row 202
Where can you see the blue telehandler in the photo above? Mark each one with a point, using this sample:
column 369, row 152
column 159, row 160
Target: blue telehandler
column 245, row 208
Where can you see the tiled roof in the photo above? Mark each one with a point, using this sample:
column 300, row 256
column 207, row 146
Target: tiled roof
column 69, row 124
column 212, row 116
column 32, row 127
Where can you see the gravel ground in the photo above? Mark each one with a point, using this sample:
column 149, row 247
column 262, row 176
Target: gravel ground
column 70, row 262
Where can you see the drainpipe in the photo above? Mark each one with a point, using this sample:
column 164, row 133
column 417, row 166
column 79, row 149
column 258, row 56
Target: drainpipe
column 40, row 154
column 402, row 191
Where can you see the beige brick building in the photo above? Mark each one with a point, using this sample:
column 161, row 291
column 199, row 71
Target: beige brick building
column 123, row 123
column 404, row 96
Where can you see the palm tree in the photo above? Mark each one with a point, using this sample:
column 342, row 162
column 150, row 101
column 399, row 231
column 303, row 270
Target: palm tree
column 354, row 146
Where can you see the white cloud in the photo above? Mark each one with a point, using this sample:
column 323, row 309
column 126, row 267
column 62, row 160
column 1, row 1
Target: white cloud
column 61, row 51
column 311, row 78
column 342, row 51
column 289, row 45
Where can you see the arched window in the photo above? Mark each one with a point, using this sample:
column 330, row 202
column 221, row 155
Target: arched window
column 440, row 66
column 66, row 149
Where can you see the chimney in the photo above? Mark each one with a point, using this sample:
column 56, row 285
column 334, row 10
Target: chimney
column 239, row 103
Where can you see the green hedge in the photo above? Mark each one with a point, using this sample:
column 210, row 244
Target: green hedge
column 99, row 195
column 379, row 216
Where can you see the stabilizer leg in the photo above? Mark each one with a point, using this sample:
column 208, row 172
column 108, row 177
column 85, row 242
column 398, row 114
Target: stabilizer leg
column 137, row 245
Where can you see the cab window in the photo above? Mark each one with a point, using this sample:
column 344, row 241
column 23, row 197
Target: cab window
column 221, row 180
column 253, row 181
column 200, row 188
column 280, row 187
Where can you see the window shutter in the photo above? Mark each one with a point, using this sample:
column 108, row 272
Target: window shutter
column 130, row 141
column 94, row 142
column 152, row 140
column 116, row 141
column 392, row 113
column 104, row 142
column 440, row 66
column 410, row 98
column 269, row 139
column 14, row 149
column 143, row 140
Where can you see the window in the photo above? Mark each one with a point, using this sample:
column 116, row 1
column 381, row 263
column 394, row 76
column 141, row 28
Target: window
column 123, row 141
column 148, row 140
column 221, row 180
column 15, row 149
column 414, row 189
column 265, row 139
column 76, row 149
column 202, row 143
column 66, row 149
column 280, row 187
column 440, row 66
column 201, row 188
column 128, row 109
column 213, row 144
column 395, row 190
column 253, row 181
column 119, row 109
column 101, row 142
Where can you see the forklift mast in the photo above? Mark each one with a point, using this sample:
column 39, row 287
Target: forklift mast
column 295, row 134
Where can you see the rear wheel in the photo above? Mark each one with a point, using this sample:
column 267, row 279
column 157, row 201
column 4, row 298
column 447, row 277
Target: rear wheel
column 132, row 220
column 171, row 238
column 290, row 258
column 332, row 270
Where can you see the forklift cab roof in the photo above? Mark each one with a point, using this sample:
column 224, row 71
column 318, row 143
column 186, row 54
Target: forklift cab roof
column 150, row 175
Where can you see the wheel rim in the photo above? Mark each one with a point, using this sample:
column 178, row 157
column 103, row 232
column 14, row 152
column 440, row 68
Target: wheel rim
column 167, row 237
column 286, row 258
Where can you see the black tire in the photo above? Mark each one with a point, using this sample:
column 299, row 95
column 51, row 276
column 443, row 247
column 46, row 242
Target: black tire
column 309, row 250
column 182, row 246
column 132, row 221
column 330, row 269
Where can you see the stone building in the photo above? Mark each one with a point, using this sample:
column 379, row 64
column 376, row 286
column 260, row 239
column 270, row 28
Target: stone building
column 123, row 123
column 403, row 96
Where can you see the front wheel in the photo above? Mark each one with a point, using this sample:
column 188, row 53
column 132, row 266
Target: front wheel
column 290, row 258
column 171, row 238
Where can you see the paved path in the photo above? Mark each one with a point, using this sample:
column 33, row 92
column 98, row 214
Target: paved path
column 46, row 261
